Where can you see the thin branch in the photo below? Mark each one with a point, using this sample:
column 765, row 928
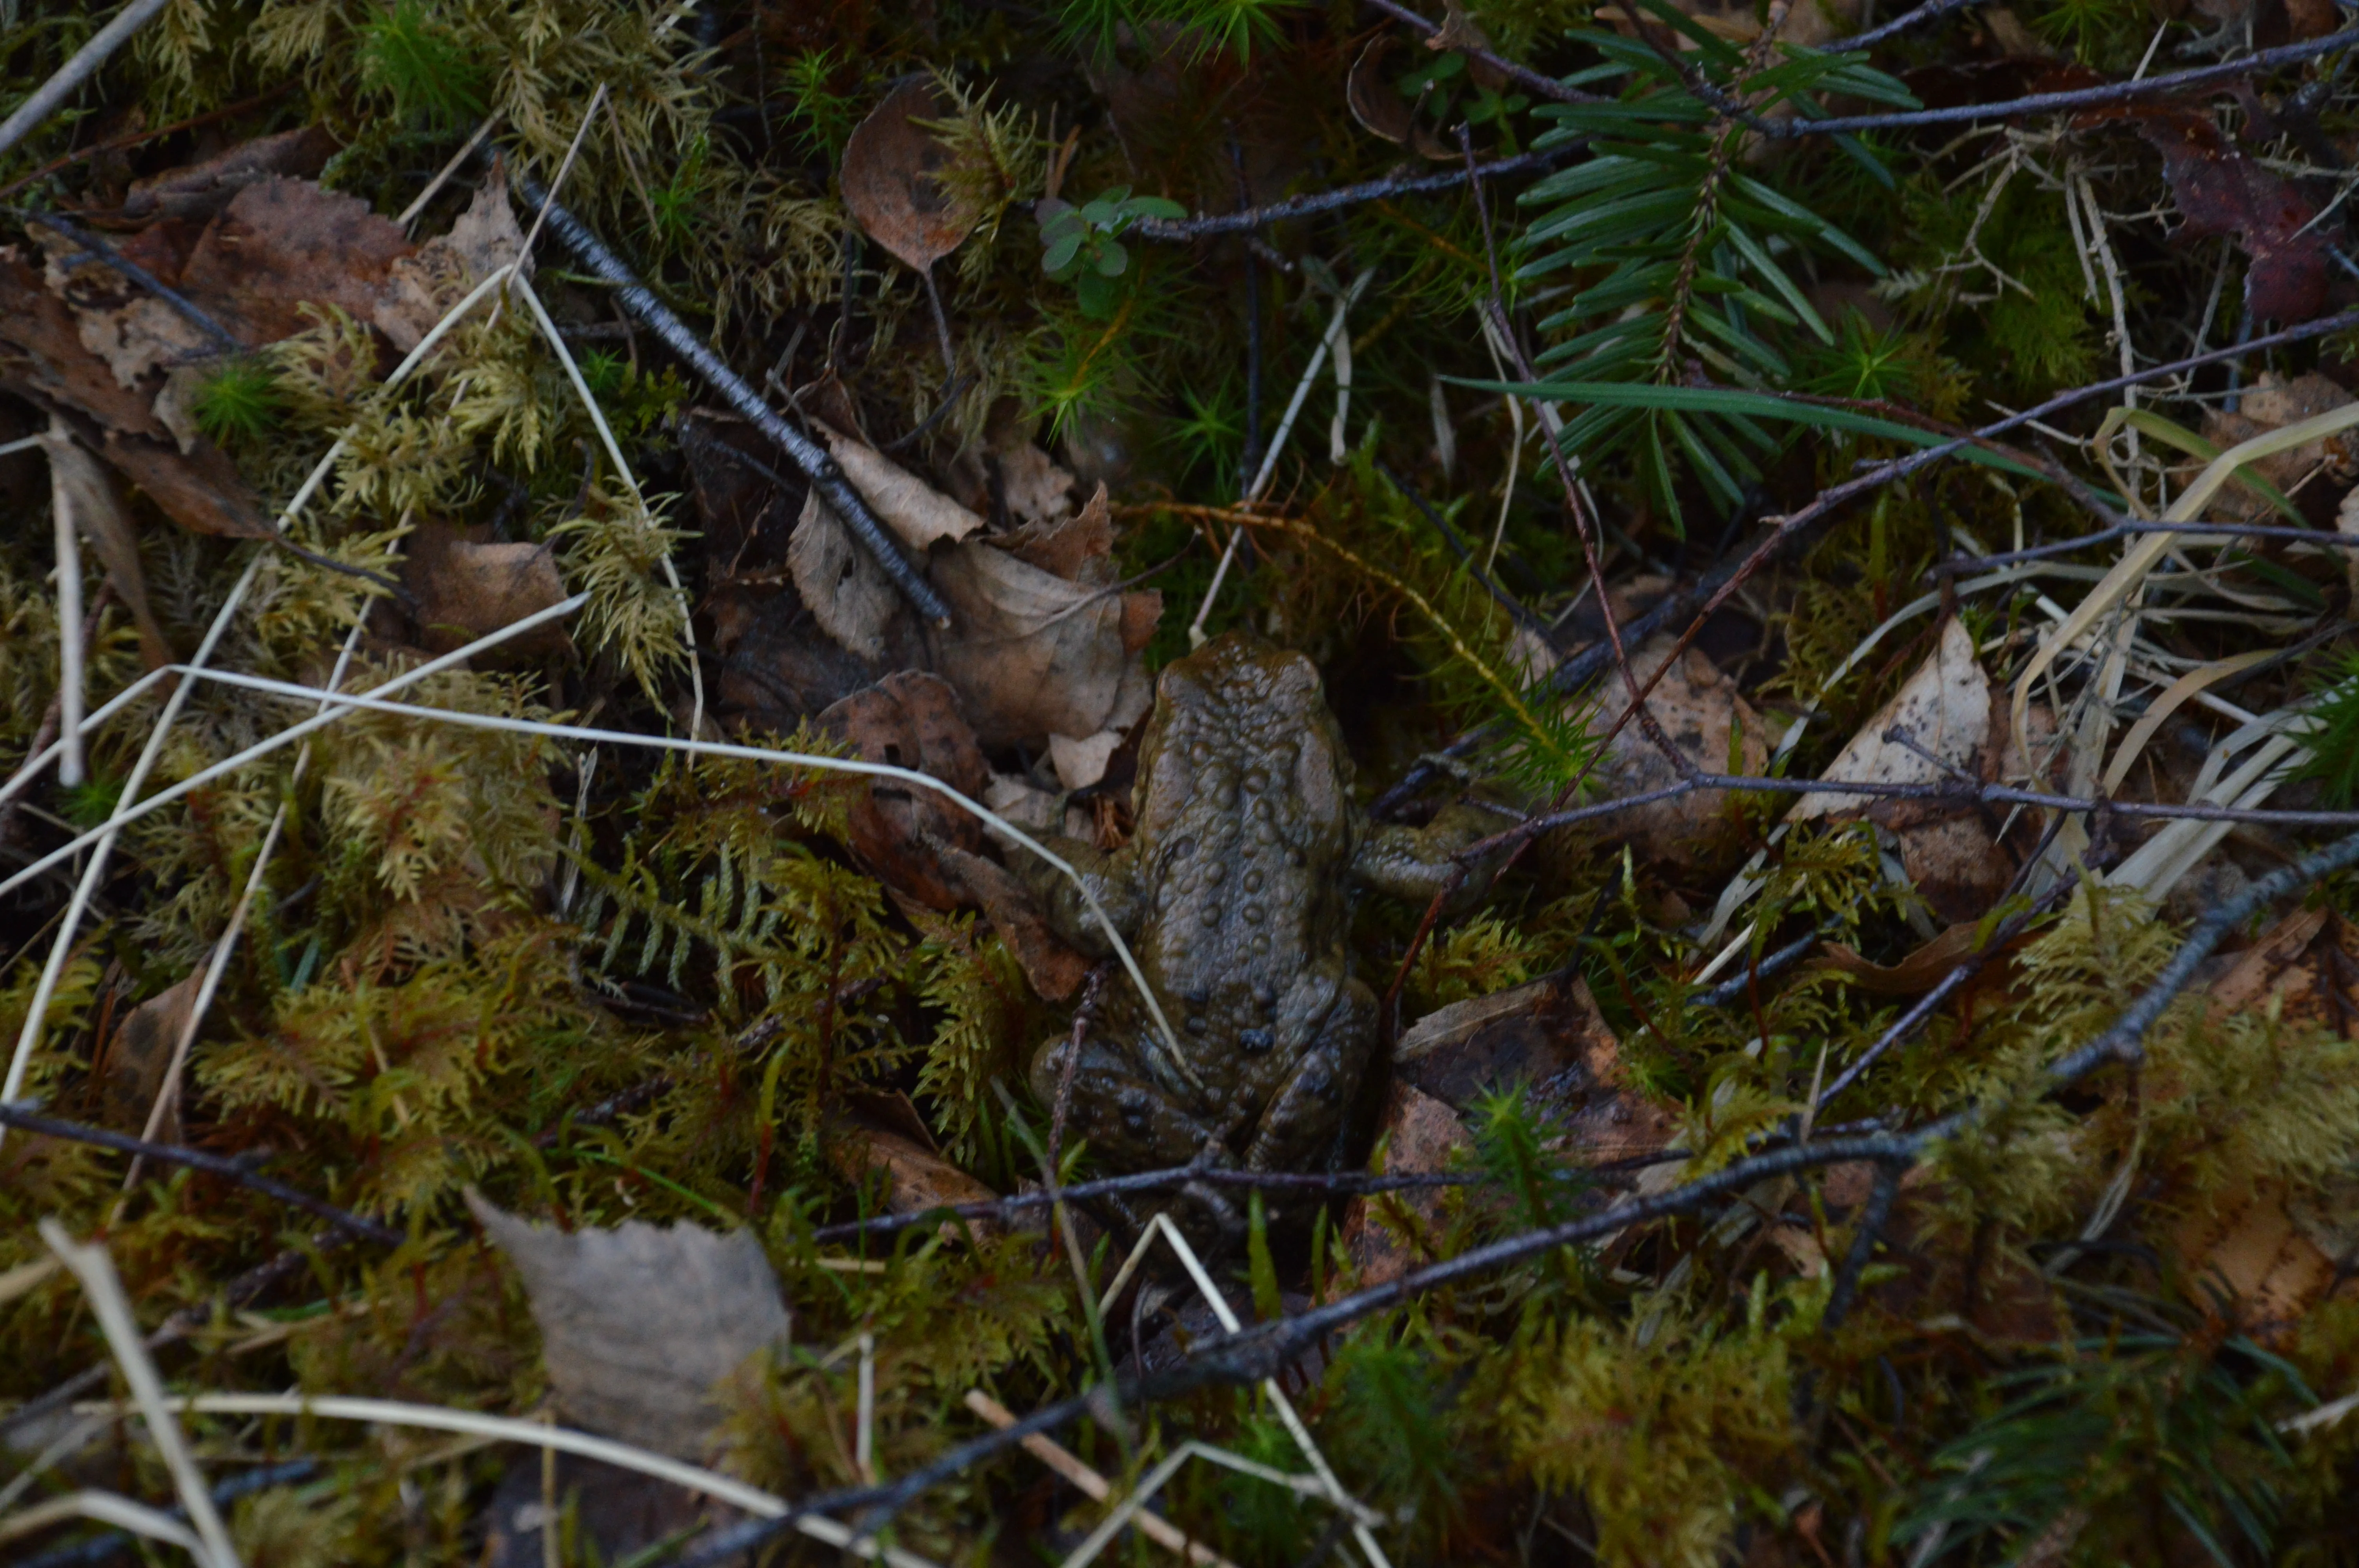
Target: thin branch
column 2323, row 538
column 23, row 1119
column 1177, row 229
column 817, row 466
column 1930, row 12
column 2046, row 102
column 1531, row 80
column 1872, row 1218
column 137, row 138
column 100, row 250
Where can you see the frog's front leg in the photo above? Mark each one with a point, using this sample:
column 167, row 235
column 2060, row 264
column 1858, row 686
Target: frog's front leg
column 1305, row 1113
column 1116, row 1104
column 1112, row 879
column 1415, row 863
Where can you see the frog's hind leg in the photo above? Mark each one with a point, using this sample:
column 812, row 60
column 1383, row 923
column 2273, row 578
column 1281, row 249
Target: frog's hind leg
column 1301, row 1124
column 1117, row 1108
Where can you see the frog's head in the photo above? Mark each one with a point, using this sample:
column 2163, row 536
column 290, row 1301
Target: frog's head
column 1240, row 697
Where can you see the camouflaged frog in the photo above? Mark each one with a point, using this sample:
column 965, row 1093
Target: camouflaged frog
column 1231, row 893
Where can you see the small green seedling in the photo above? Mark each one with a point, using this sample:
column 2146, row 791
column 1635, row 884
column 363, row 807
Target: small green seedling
column 1082, row 248
column 239, row 402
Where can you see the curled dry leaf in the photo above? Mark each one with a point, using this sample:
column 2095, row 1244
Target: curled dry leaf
column 132, row 1068
column 1055, row 970
column 1075, row 546
column 1699, row 709
column 913, row 509
column 888, row 179
column 844, row 589
column 44, row 360
column 465, row 590
column 1549, row 1036
column 421, row 289
column 902, row 831
column 1940, row 727
column 1036, row 489
column 84, row 488
column 201, row 190
column 2273, row 402
column 1381, row 111
column 638, row 1325
column 1035, row 655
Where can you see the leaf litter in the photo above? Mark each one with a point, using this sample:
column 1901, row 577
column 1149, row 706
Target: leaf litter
column 1731, row 1179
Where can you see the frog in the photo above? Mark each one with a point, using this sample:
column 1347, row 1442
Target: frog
column 1235, row 895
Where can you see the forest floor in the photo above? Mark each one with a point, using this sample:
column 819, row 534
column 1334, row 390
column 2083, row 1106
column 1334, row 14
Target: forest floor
column 1245, row 781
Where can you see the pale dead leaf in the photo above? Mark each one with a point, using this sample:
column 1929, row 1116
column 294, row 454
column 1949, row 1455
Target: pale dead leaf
column 1025, row 804
column 888, row 179
column 420, row 289
column 846, row 591
column 915, row 510
column 1077, row 545
column 1081, row 764
column 1033, row 655
column 638, row 1324
column 1036, row 489
column 1944, row 708
column 84, row 488
column 466, row 589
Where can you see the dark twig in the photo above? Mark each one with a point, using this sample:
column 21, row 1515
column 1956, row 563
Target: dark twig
column 2048, row 102
column 20, row 1117
column 817, row 466
column 2323, row 537
column 1872, row 1217
column 1184, row 229
column 1930, row 12
column 137, row 138
column 1531, row 80
column 100, row 250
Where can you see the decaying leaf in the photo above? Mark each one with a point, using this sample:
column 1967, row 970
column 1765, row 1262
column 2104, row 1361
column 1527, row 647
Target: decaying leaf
column 2222, row 190
column 2272, row 403
column 1054, row 969
column 847, row 592
column 44, row 360
column 1075, row 546
column 915, row 510
column 1381, row 111
column 84, row 488
column 639, row 1325
column 1034, row 655
column 139, row 1055
column 1037, row 490
column 915, row 1178
column 465, row 589
column 1547, row 1036
column 900, row 831
column 421, row 289
column 889, row 178
column 1699, row 709
column 284, row 244
column 1940, row 727
column 201, row 190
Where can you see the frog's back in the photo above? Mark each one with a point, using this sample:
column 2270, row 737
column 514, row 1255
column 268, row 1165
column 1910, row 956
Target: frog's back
column 1245, row 836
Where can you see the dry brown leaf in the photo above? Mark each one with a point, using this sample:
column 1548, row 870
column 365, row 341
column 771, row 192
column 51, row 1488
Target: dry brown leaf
column 465, row 590
column 201, row 190
column 2270, row 403
column 638, row 1325
column 1919, row 972
column 1055, row 970
column 138, row 1055
column 420, row 289
column 44, row 361
column 1038, row 490
column 86, row 491
column 1034, row 655
column 915, row 510
column 888, row 179
column 916, row 1179
column 1697, row 707
column 1077, row 545
column 1420, row 1134
column 901, row 831
column 283, row 244
column 1381, row 111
